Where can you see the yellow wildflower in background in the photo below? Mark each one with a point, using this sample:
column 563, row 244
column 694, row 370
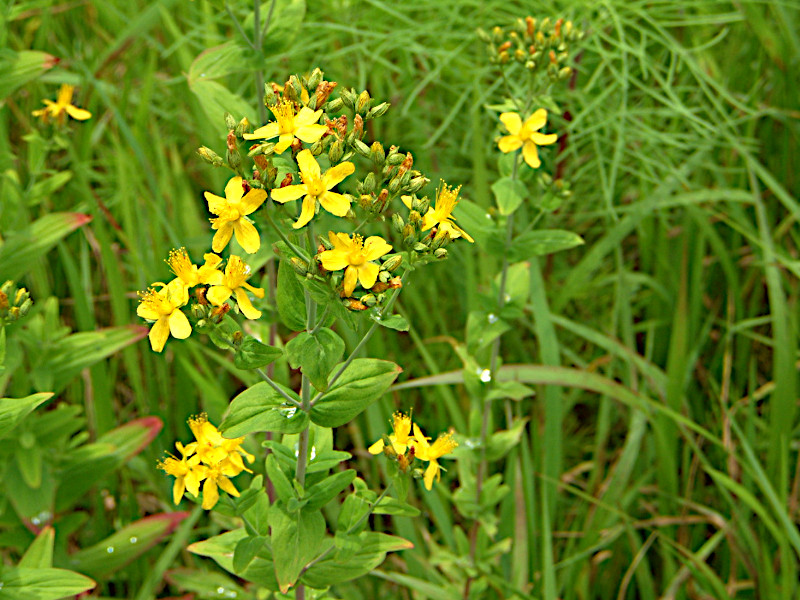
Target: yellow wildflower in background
column 234, row 283
column 400, row 436
column 61, row 107
column 232, row 211
column 353, row 255
column 526, row 135
column 431, row 453
column 441, row 214
column 303, row 126
column 316, row 187
column 211, row 459
column 163, row 307
column 190, row 274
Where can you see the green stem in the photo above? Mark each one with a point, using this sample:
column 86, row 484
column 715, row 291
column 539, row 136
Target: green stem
column 283, row 237
column 277, row 388
column 239, row 26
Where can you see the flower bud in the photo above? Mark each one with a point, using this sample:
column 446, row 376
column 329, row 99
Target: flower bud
column 300, row 266
column 349, row 98
column 420, row 247
column 421, row 206
column 242, row 127
column 21, row 296
column 7, row 287
column 315, row 78
column 415, row 219
column 353, row 304
column 368, row 300
column 317, row 147
column 564, row 73
column 361, row 148
column 25, row 307
column 369, row 183
column 409, row 240
column 336, row 151
column 378, row 111
column 483, row 36
column 397, row 223
column 334, row 105
column 417, row 183
column 395, row 185
column 211, row 157
column 197, row 311
column 377, row 154
column 441, row 239
column 363, row 102
column 440, row 253
column 358, row 127
column 392, row 263
column 230, row 122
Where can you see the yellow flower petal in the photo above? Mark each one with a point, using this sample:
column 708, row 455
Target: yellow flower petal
column 210, row 494
column 309, row 167
column 311, row 133
column 376, row 448
column 159, row 333
column 307, row 212
column 431, row 472
column 234, row 190
column 306, row 116
column 542, row 139
column 247, row 236
column 333, row 260
column 222, row 237
column 177, row 490
column 218, row 294
column 216, row 205
column 509, row 143
column 512, row 122
column 284, row 142
column 289, row 193
column 78, row 114
column 350, row 280
column 247, row 308
column 375, row 247
column 179, row 325
column 267, row 132
column 334, row 203
column 368, row 275
column 537, row 120
column 337, row 174
column 252, row 200
column 531, row 155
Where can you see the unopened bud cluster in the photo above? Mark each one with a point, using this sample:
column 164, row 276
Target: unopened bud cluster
column 538, row 45
column 14, row 303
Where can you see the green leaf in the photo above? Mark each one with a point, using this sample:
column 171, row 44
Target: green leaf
column 354, row 509
column 393, row 506
column 252, row 354
column 222, row 547
column 290, row 298
column 42, row 190
column 510, row 389
column 2, row 349
column 219, row 61
column 206, row 584
column 319, row 494
column 20, row 583
column 517, row 284
column 261, row 408
column 315, row 354
column 13, row 410
column 509, row 194
column 39, row 554
column 363, row 382
column 246, row 550
column 501, row 442
column 475, row 220
column 298, row 536
column 283, row 487
column 26, row 246
column 395, row 322
column 215, row 100
column 126, row 545
column 482, row 329
column 542, row 242
column 18, row 68
column 283, row 27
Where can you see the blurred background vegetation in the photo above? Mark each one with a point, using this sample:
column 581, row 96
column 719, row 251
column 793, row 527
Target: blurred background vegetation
column 679, row 137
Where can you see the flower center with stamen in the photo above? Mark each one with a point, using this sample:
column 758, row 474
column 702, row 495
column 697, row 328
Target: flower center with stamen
column 357, row 257
column 180, row 264
column 284, row 114
column 237, row 272
column 157, row 302
column 315, row 187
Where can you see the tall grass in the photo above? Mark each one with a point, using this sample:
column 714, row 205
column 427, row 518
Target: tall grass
column 671, row 472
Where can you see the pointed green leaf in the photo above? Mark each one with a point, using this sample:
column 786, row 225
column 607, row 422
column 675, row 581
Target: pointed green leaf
column 39, row 554
column 315, row 355
column 290, row 298
column 13, row 410
column 261, row 408
column 20, row 583
column 509, row 194
column 543, row 242
column 298, row 535
column 252, row 354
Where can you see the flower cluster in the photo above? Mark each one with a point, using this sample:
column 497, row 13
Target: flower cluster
column 404, row 447
column 14, row 302
column 161, row 304
column 211, row 460
column 525, row 135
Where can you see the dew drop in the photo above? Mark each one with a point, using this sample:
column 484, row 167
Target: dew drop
column 492, row 318
column 507, row 298
column 133, row 540
column 110, row 549
column 486, row 376
column 221, row 590
column 288, row 411
column 313, row 452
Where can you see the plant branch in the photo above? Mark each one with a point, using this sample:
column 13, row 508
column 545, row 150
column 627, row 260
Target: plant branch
column 277, row 388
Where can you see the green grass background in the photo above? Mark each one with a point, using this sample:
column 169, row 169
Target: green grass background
column 682, row 154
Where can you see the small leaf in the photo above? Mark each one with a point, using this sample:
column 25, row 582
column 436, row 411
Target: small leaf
column 542, row 242
column 283, row 487
column 290, row 298
column 396, row 322
column 252, row 354
column 363, row 382
column 20, row 583
column 509, row 194
column 39, row 554
column 261, row 408
column 13, row 410
column 298, row 536
column 315, row 354
column 501, row 442
column 319, row 494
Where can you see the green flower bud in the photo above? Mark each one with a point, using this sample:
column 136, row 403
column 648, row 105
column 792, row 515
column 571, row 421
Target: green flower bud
column 415, row 219
column 230, row 122
column 440, row 253
column 368, row 300
column 397, row 223
column 300, row 266
column 377, row 154
column 417, row 183
column 395, row 185
column 242, row 127
column 392, row 263
column 349, row 98
column 369, row 183
column 315, row 78
column 211, row 157
column 420, row 247
column 395, row 158
column 363, row 102
column 336, row 151
column 564, row 73
column 361, row 148
column 25, row 307
column 378, row 111
column 334, row 105
column 197, row 311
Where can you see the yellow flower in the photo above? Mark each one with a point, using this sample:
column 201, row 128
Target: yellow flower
column 190, row 274
column 525, row 135
column 163, row 307
column 316, row 187
column 303, row 125
column 234, row 282
column 432, row 452
column 232, row 214
column 216, row 477
column 62, row 107
column 441, row 214
column 400, row 437
column 186, row 472
column 212, row 448
column 354, row 254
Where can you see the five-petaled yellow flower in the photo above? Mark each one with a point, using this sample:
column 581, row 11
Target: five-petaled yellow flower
column 400, row 437
column 190, row 274
column 234, row 283
column 211, row 459
column 163, row 306
column 353, row 255
column 232, row 211
column 303, row 125
column 441, row 214
column 316, row 187
column 431, row 453
column 62, row 107
column 526, row 135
